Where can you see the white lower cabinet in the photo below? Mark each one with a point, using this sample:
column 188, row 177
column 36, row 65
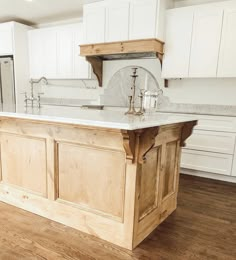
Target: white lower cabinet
column 211, row 150
column 207, row 162
column 212, row 142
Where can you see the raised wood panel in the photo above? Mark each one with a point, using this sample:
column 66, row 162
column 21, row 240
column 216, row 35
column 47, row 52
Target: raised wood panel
column 23, row 162
column 150, row 171
column 93, row 179
column 169, row 173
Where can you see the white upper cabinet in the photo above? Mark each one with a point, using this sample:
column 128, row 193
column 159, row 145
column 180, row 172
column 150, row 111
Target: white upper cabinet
column 117, row 20
column 55, row 53
column 143, row 15
column 42, row 52
column 200, row 41
column 178, row 43
column 94, row 18
column 227, row 58
column 110, row 20
column 206, row 38
column 49, row 55
column 81, row 68
column 6, row 39
column 65, row 52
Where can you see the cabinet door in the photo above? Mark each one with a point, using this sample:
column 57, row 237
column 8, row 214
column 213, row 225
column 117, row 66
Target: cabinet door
column 94, row 22
column 117, row 21
column 206, row 37
column 49, row 57
column 207, row 161
column 178, row 43
column 81, row 68
column 143, row 19
column 65, row 52
column 227, row 58
column 35, row 54
column 43, row 55
column 6, row 36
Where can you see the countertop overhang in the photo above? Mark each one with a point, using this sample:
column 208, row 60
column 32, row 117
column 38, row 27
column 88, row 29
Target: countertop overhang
column 94, row 118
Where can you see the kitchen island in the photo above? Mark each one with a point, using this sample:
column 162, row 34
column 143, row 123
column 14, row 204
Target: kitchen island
column 102, row 172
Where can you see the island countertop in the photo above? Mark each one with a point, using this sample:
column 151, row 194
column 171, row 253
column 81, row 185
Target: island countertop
column 96, row 118
column 91, row 169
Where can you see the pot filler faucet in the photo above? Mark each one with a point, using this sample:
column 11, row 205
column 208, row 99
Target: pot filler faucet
column 32, row 98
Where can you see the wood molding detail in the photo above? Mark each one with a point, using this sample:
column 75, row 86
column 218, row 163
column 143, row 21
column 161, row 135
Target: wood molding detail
column 129, row 144
column 97, row 65
column 96, row 53
column 187, row 131
column 147, row 142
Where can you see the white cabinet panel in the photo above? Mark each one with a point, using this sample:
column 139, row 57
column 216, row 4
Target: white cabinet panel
column 65, row 51
column 35, row 54
column 207, row 162
column 143, row 15
column 94, row 22
column 227, row 59
column 178, row 43
column 211, row 141
column 55, row 53
column 117, row 21
column 206, row 37
column 42, row 53
column 6, row 39
column 234, row 165
column 49, row 57
column 81, row 68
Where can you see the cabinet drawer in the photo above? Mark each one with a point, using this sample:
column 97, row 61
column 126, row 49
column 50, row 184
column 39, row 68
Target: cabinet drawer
column 207, row 162
column 216, row 124
column 211, row 141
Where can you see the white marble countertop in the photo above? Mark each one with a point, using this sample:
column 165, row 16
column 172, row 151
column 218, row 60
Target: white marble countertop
column 97, row 118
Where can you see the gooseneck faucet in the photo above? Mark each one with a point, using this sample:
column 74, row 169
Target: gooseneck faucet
column 32, row 98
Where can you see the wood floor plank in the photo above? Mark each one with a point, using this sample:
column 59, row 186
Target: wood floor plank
column 202, row 228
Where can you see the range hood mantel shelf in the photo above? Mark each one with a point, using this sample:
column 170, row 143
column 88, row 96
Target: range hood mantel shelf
column 97, row 53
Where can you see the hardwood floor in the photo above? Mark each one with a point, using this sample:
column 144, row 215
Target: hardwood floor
column 203, row 227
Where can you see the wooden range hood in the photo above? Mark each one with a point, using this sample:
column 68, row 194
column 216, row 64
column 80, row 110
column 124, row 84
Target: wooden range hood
column 96, row 53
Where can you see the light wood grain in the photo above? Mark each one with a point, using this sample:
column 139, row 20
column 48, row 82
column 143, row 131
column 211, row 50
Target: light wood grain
column 113, row 184
column 96, row 53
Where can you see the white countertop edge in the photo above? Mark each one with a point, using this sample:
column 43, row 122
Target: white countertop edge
column 95, row 123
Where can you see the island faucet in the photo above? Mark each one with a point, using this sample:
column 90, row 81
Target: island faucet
column 32, row 98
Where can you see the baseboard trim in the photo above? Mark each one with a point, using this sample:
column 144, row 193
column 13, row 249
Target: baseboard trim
column 209, row 175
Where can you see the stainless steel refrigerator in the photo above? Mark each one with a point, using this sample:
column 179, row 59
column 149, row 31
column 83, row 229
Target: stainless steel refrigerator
column 7, row 86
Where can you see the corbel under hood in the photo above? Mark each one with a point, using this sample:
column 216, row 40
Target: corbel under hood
column 96, row 53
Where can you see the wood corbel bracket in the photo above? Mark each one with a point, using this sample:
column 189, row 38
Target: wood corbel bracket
column 129, row 144
column 160, row 57
column 97, row 66
column 147, row 141
column 187, row 131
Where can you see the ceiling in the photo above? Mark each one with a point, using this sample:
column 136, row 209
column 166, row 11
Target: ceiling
column 34, row 12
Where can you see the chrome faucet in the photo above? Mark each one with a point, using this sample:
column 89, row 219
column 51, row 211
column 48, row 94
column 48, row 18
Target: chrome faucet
column 32, row 98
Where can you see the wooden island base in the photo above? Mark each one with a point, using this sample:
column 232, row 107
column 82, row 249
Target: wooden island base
column 117, row 185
